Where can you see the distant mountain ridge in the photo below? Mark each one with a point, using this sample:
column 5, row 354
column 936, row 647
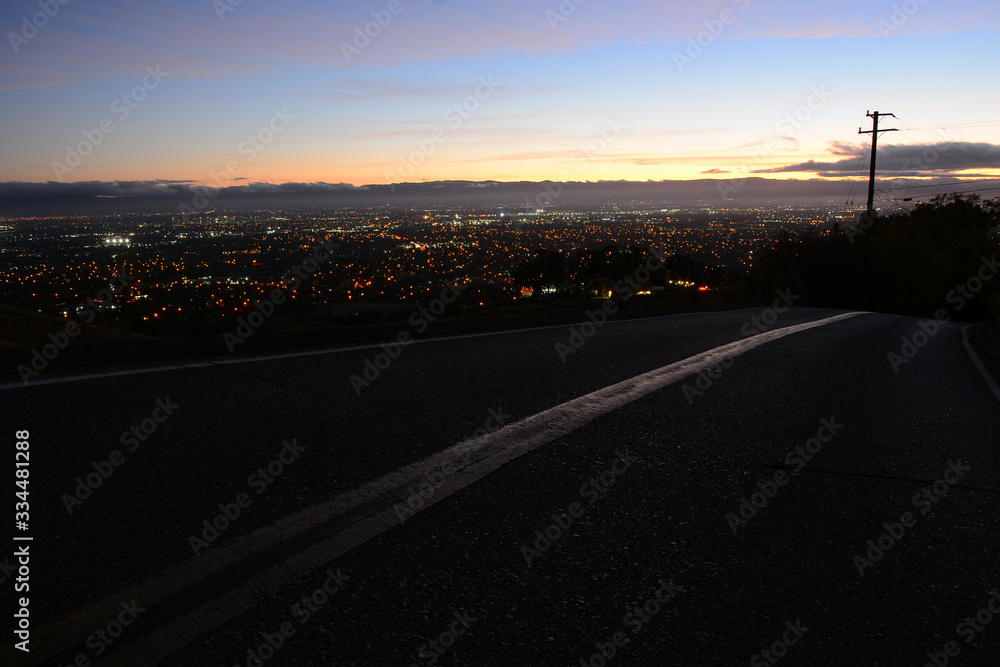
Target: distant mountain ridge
column 103, row 197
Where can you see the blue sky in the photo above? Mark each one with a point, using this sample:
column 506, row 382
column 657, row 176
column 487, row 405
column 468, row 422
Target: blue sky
column 560, row 75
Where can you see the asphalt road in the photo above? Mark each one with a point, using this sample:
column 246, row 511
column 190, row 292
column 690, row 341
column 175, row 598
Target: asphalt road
column 720, row 513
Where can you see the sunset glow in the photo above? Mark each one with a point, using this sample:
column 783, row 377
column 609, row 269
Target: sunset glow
column 412, row 90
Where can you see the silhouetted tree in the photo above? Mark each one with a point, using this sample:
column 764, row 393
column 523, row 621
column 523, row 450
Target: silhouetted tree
column 914, row 263
column 543, row 269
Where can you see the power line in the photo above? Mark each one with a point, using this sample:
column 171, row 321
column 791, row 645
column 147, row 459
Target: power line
column 978, row 123
column 869, row 217
column 941, row 185
column 951, row 147
column 854, row 180
column 875, row 135
column 959, row 192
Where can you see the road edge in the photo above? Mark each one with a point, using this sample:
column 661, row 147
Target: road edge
column 977, row 361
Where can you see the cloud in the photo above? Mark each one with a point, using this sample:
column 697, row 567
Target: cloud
column 156, row 189
column 88, row 41
column 393, row 89
column 844, row 148
column 716, row 171
column 770, row 142
column 914, row 160
column 20, row 189
column 92, row 198
column 317, row 187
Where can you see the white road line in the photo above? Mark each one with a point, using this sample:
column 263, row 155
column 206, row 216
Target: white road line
column 509, row 443
column 978, row 363
column 249, row 359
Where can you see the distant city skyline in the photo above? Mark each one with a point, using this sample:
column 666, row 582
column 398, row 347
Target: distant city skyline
column 230, row 93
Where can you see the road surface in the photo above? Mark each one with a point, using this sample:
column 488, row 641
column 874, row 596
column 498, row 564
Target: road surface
column 819, row 488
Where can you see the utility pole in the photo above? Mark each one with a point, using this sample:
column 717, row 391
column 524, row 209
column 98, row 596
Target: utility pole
column 871, row 176
column 870, row 212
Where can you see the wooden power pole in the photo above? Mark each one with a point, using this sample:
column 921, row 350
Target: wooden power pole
column 870, row 212
column 871, row 176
